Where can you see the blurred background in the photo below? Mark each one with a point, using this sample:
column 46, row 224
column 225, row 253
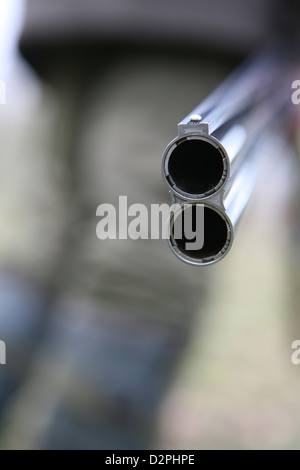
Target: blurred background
column 117, row 344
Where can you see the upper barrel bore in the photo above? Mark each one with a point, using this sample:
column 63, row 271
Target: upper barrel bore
column 195, row 167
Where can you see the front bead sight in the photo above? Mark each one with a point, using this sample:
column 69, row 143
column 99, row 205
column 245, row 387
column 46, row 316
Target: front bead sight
column 195, row 167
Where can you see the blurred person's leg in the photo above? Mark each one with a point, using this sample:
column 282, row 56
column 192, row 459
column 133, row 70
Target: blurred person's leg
column 294, row 245
column 125, row 308
column 29, row 201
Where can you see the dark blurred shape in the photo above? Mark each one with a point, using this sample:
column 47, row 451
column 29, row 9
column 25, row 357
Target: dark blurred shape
column 286, row 17
column 233, row 26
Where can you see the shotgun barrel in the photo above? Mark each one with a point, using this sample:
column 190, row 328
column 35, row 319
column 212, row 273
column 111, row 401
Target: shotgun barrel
column 216, row 158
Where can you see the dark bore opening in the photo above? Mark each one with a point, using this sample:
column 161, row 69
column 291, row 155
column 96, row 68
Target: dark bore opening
column 196, row 167
column 215, row 233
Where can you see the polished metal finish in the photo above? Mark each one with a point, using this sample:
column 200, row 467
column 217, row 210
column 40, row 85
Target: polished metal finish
column 215, row 159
